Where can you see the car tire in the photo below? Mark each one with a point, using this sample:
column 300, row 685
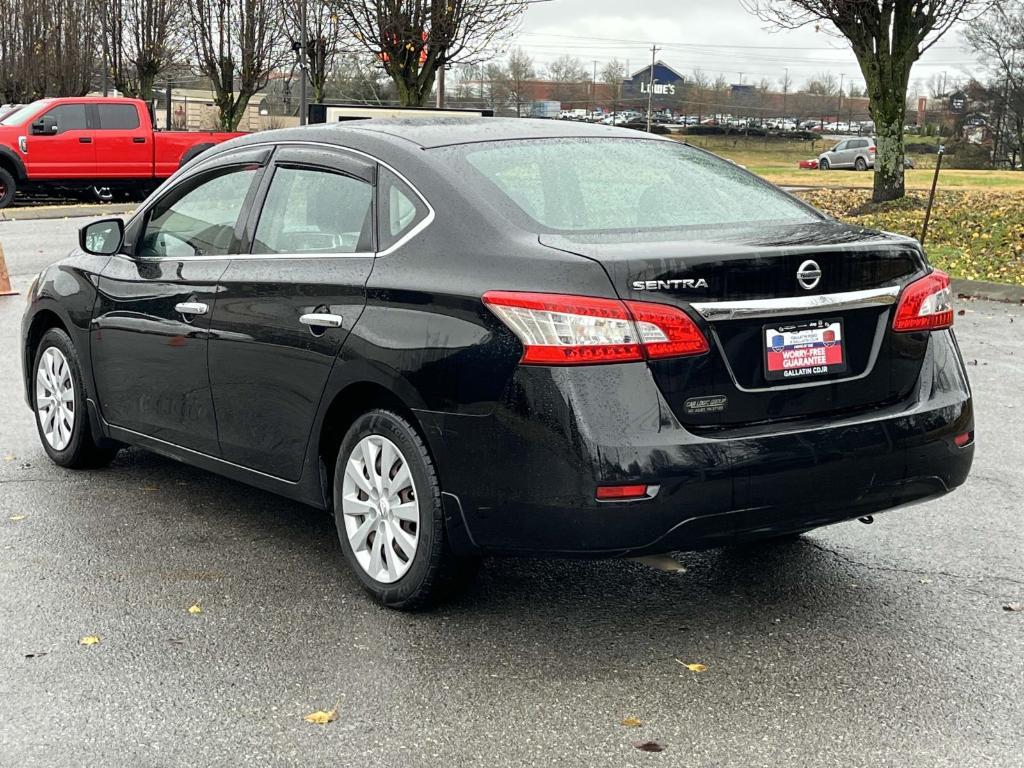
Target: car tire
column 8, row 186
column 59, row 396
column 375, row 538
column 823, row 164
column 861, row 164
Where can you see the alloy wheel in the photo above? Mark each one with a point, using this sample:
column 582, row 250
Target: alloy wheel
column 55, row 398
column 381, row 509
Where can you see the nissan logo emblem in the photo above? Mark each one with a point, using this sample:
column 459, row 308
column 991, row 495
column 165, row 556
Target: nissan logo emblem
column 809, row 274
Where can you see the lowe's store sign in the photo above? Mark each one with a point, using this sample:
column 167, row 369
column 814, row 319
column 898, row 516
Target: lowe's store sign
column 667, row 82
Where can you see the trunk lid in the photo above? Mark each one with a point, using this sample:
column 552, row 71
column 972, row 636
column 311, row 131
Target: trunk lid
column 741, row 287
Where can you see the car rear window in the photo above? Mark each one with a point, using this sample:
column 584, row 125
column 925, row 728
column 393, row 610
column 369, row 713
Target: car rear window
column 596, row 184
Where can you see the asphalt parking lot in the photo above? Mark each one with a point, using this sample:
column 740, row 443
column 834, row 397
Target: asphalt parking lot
column 882, row 645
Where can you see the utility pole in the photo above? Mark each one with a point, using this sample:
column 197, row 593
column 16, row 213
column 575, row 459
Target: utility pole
column 440, row 85
column 303, row 109
column 593, row 91
column 839, row 109
column 650, row 89
column 167, row 114
column 785, row 93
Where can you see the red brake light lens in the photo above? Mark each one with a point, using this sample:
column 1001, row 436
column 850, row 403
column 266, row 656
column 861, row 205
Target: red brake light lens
column 559, row 329
column 608, row 492
column 925, row 304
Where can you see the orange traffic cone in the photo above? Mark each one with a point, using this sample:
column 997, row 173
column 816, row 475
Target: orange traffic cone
column 5, row 279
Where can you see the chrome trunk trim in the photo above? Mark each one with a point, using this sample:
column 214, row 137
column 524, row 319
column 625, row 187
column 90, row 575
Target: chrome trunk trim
column 714, row 311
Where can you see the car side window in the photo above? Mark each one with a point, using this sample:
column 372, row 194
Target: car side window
column 841, row 146
column 400, row 208
column 69, row 117
column 118, row 117
column 197, row 219
column 312, row 210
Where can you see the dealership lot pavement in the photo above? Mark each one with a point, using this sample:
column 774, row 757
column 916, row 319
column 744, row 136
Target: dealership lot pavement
column 857, row 646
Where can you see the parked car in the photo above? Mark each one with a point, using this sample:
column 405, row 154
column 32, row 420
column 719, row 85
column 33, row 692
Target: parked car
column 858, row 154
column 524, row 337
column 84, row 144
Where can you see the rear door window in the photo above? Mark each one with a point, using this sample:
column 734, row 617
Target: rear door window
column 313, row 210
column 118, row 117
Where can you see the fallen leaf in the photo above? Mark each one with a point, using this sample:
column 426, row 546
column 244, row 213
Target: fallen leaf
column 962, row 312
column 195, row 608
column 1014, row 607
column 89, row 640
column 693, row 667
column 649, row 746
column 36, row 655
column 150, row 488
column 631, row 722
column 16, row 518
column 320, row 717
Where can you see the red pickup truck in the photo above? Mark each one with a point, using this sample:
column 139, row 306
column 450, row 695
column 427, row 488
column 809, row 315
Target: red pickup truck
column 79, row 144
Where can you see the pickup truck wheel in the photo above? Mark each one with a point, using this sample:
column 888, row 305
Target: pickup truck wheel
column 7, row 188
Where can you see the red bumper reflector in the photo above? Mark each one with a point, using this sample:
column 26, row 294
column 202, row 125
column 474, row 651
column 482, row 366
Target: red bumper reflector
column 605, row 492
column 964, row 439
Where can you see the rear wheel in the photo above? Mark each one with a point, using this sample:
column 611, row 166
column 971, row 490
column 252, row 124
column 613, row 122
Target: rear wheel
column 7, row 188
column 861, row 164
column 823, row 164
column 59, row 396
column 389, row 516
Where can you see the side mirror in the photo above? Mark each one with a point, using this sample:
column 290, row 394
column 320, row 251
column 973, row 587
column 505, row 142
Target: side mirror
column 45, row 126
column 102, row 238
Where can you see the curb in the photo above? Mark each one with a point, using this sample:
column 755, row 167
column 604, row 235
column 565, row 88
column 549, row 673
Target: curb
column 981, row 289
column 65, row 211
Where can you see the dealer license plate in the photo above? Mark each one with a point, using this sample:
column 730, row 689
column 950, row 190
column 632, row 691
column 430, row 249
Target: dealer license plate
column 801, row 350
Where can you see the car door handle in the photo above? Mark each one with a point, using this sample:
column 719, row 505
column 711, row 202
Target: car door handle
column 139, row 139
column 85, row 139
column 319, row 320
column 191, row 308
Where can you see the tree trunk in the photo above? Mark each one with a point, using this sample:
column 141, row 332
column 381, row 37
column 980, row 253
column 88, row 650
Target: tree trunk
column 888, row 113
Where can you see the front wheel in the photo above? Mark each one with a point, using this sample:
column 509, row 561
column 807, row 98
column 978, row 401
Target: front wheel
column 59, row 396
column 389, row 515
column 7, row 188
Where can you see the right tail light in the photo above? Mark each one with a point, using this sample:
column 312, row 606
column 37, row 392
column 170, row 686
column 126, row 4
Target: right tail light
column 560, row 329
column 925, row 304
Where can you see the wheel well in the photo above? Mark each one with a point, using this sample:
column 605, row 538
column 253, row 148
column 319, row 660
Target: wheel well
column 9, row 165
column 347, row 406
column 43, row 321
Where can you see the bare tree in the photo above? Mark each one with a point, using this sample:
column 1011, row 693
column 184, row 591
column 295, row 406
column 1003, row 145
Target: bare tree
column 613, row 74
column 570, row 79
column 139, row 38
column 887, row 37
column 235, row 40
column 324, row 43
column 72, row 46
column 24, row 26
column 520, row 71
column 998, row 40
column 822, row 84
column 415, row 38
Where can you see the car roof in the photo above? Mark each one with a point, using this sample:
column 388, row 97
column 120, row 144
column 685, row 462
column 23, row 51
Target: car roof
column 431, row 132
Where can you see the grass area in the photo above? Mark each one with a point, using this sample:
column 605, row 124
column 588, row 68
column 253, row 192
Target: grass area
column 974, row 234
column 776, row 160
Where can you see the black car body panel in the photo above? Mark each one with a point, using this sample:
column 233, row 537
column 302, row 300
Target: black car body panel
column 248, row 391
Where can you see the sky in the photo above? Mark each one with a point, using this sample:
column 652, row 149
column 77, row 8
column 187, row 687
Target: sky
column 719, row 36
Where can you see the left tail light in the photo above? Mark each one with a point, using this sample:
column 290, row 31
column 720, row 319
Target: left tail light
column 559, row 329
column 925, row 304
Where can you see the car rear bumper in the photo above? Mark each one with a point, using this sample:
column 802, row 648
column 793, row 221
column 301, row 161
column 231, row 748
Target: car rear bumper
column 525, row 475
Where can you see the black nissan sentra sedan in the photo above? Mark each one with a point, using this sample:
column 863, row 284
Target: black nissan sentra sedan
column 482, row 337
